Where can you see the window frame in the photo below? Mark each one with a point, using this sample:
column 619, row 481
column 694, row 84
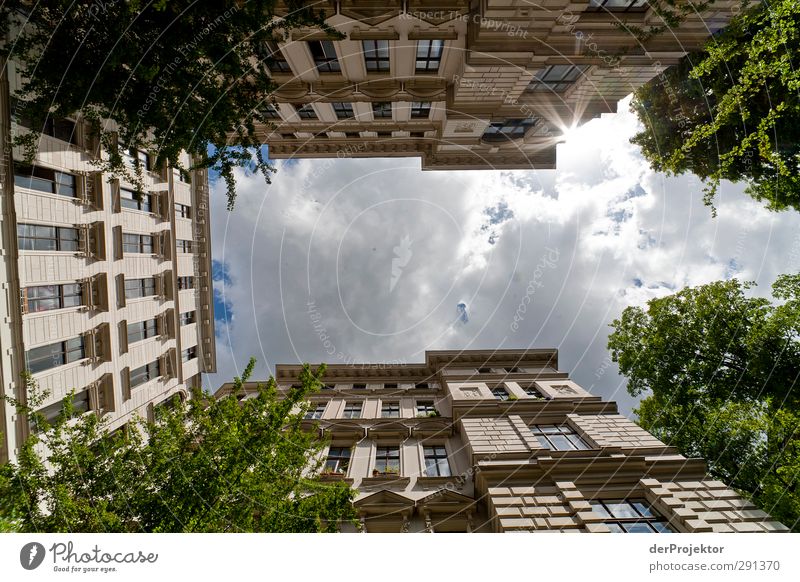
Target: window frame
column 350, row 409
column 420, row 109
column 438, row 454
column 374, row 55
column 129, row 201
column 390, row 409
column 317, row 412
column 423, row 409
column 144, row 374
column 343, row 110
column 336, row 461
column 428, row 52
column 138, row 331
column 544, row 432
column 59, row 238
column 305, row 111
column 34, row 174
column 541, row 83
column 143, row 285
column 60, row 296
column 58, row 353
column 508, row 130
column 187, row 318
column 386, row 457
column 141, row 244
column 275, row 61
column 326, row 59
column 654, row 522
column 189, row 354
column 183, row 211
column 601, row 6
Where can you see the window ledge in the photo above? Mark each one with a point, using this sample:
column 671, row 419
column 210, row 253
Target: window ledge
column 386, row 479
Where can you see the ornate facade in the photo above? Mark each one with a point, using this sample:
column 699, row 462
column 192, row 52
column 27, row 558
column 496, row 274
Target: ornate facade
column 499, row 441
column 464, row 84
column 103, row 293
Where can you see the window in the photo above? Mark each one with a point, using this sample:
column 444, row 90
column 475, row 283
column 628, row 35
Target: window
column 49, row 297
column 531, row 391
column 382, row 109
column 304, row 111
column 484, row 370
column 63, row 129
column 513, row 370
column 617, row 5
column 185, row 283
column 135, row 288
column 316, row 412
column 131, row 155
column 36, row 237
column 343, row 110
column 338, row 460
column 353, row 134
column 390, row 410
column 275, row 60
column 45, row 180
column 636, row 516
column 426, row 408
column 390, row 385
column 359, row 386
column 558, row 438
column 352, row 410
column 376, row 55
column 142, row 330
column 189, row 354
column 324, row 55
column 183, row 211
column 387, row 460
column 436, row 464
column 129, row 199
column 500, row 393
column 420, row 109
column 509, row 129
column 183, row 246
column 422, row 385
column 188, row 318
column 429, row 55
column 268, row 111
column 80, row 405
column 138, row 243
column 556, row 78
column 54, row 355
column 328, row 387
column 144, row 374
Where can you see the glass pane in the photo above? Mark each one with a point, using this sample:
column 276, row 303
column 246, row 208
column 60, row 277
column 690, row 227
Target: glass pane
column 444, row 468
column 543, row 442
column 577, row 442
column 638, row 527
column 550, row 429
column 660, row 527
column 621, row 509
column 643, row 509
column 561, row 443
column 615, row 528
column 598, row 508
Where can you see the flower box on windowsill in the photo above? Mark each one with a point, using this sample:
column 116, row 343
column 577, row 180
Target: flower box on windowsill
column 379, row 478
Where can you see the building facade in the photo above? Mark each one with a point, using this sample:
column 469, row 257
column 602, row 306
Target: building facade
column 501, row 441
column 103, row 292
column 463, row 84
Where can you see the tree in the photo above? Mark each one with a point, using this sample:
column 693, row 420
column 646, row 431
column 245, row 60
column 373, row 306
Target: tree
column 209, row 465
column 183, row 75
column 720, row 371
column 732, row 111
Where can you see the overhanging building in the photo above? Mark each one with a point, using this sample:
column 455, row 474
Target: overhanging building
column 502, row 441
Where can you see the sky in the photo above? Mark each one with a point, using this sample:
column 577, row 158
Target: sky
column 376, row 261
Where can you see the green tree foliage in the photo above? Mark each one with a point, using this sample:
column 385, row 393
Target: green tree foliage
column 209, row 465
column 732, row 111
column 183, row 75
column 720, row 371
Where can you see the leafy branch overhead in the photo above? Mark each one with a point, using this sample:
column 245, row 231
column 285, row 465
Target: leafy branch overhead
column 732, row 111
column 208, row 465
column 183, row 75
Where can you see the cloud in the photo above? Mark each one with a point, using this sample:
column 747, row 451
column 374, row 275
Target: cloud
column 309, row 261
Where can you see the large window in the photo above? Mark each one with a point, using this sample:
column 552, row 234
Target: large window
column 509, row 129
column 420, row 109
column 429, row 55
column 324, row 55
column 49, row 297
column 500, row 393
column 436, row 464
column 54, row 355
column 45, row 180
column 138, row 243
column 382, row 109
column 36, row 237
column 183, row 210
column 426, row 408
column 390, row 410
column 558, row 438
column 275, row 60
column 268, row 111
column 304, row 110
column 376, row 55
column 80, row 404
column 189, row 354
column 129, row 199
column 532, row 391
column 144, row 374
column 343, row 110
column 316, row 412
column 183, row 245
column 142, row 330
column 338, row 460
column 636, row 516
column 352, row 410
column 556, row 78
column 188, row 318
column 185, row 283
column 135, row 288
column 387, row 460
column 617, row 5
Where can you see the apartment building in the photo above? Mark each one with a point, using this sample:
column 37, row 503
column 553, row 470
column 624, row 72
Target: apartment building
column 103, row 292
column 502, row 441
column 463, row 84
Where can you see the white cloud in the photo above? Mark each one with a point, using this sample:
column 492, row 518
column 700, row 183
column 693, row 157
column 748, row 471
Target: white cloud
column 326, row 231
